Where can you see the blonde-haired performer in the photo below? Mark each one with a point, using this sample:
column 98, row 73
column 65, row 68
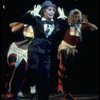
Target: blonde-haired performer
column 67, row 49
column 17, row 59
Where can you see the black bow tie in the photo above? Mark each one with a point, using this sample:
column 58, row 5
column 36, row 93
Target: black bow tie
column 48, row 22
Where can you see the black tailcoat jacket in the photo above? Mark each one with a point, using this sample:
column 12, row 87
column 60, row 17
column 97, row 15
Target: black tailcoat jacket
column 41, row 47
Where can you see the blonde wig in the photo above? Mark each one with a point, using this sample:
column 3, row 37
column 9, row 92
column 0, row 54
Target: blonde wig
column 75, row 11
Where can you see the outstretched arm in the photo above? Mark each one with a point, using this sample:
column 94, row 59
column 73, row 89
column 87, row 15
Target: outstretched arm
column 93, row 27
column 16, row 26
column 27, row 29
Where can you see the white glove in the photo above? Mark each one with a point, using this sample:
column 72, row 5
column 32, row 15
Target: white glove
column 36, row 10
column 61, row 13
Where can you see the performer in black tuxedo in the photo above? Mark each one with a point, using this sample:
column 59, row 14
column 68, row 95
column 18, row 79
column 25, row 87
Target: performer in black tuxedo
column 41, row 18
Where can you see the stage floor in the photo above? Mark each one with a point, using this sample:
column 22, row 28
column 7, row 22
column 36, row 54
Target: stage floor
column 59, row 97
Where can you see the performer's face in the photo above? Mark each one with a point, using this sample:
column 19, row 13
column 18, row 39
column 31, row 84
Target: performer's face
column 49, row 12
column 75, row 18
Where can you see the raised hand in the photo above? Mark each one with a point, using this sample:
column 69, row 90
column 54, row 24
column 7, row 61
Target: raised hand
column 36, row 10
column 61, row 13
column 84, row 19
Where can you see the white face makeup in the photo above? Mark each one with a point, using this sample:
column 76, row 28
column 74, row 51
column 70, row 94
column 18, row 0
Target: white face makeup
column 49, row 12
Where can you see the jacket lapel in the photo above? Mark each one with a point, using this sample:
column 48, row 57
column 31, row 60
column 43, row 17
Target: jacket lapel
column 39, row 24
column 55, row 29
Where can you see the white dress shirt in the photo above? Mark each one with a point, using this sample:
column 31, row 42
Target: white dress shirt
column 48, row 26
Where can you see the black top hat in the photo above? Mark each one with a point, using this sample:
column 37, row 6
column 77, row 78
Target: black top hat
column 46, row 4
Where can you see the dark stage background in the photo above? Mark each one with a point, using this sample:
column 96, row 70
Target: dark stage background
column 86, row 66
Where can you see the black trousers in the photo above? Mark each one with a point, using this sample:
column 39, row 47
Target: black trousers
column 39, row 62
